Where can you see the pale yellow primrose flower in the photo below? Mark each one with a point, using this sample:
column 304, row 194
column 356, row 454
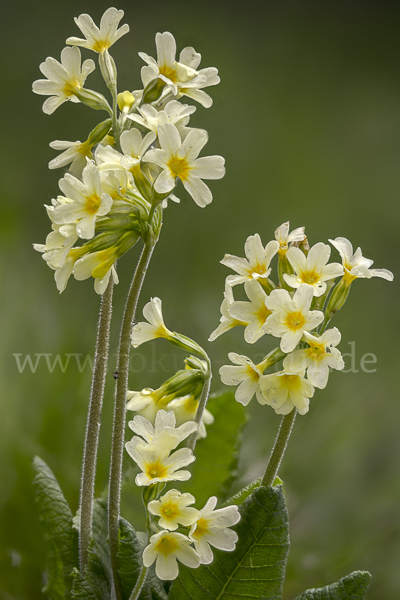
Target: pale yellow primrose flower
column 166, row 548
column 227, row 322
column 355, row 265
column 155, row 328
column 63, row 79
column 173, row 510
column 133, row 148
column 156, row 463
column 181, row 76
column 291, row 316
column 246, row 375
column 255, row 265
column 179, row 159
column 284, row 238
column 74, row 153
column 174, row 112
column 185, row 409
column 164, row 433
column 212, row 529
column 255, row 312
column 99, row 265
column 99, row 40
column 312, row 269
column 287, row 390
column 317, row 359
column 147, row 402
column 88, row 200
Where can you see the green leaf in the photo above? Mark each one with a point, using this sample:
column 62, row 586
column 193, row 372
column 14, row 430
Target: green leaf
column 56, row 517
column 130, row 561
column 256, row 569
column 245, row 492
column 217, row 454
column 81, row 589
column 55, row 586
column 352, row 587
column 101, row 544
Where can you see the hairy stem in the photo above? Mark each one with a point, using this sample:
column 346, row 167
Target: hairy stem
column 93, row 425
column 202, row 404
column 117, row 447
column 279, row 448
column 139, row 584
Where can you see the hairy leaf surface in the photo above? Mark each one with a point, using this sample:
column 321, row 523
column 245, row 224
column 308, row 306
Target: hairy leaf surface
column 352, row 587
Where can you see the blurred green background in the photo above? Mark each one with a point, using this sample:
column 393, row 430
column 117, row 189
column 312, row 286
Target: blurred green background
column 308, row 118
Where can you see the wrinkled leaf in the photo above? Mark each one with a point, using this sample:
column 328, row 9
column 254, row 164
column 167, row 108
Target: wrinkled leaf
column 56, row 518
column 55, row 586
column 352, row 587
column 130, row 561
column 256, row 569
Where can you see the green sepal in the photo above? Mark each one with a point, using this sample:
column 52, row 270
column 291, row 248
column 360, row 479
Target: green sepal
column 256, row 568
column 352, row 587
column 59, row 531
column 217, row 454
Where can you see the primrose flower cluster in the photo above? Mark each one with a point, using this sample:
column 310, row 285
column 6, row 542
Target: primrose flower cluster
column 297, row 311
column 154, row 449
column 123, row 174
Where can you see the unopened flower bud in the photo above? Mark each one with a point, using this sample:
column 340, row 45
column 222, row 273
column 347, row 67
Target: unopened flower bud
column 92, row 99
column 99, row 132
column 125, row 101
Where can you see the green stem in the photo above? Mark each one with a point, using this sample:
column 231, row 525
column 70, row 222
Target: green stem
column 279, row 448
column 117, row 448
column 114, row 116
column 93, row 425
column 202, row 404
column 139, row 584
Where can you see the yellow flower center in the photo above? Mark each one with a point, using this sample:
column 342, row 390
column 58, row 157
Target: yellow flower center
column 101, row 46
column 252, row 373
column 348, row 277
column 295, row 320
column 291, row 382
column 169, row 72
column 71, row 87
column 263, row 313
column 179, row 167
column 310, row 277
column 201, row 528
column 167, row 546
column 156, row 470
column 317, row 352
column 170, row 510
column 92, row 204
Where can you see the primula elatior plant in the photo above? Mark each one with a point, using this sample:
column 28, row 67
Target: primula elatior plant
column 199, row 543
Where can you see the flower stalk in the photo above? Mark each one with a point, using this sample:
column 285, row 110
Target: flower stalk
column 117, row 447
column 93, row 425
column 139, row 584
column 279, row 448
column 205, row 392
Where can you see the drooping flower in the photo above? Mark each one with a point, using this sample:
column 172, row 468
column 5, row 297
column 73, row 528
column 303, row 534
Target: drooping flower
column 318, row 357
column 312, row 269
column 227, row 322
column 256, row 265
column 356, row 265
column 174, row 509
column 99, row 39
column 185, row 409
column 255, row 312
column 181, row 77
column 284, row 238
column 156, row 463
column 63, row 79
column 179, row 159
column 87, row 200
column 164, row 433
column 166, row 548
column 212, row 529
column 246, row 375
column 287, row 390
column 291, row 316
column 100, row 266
column 155, row 328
